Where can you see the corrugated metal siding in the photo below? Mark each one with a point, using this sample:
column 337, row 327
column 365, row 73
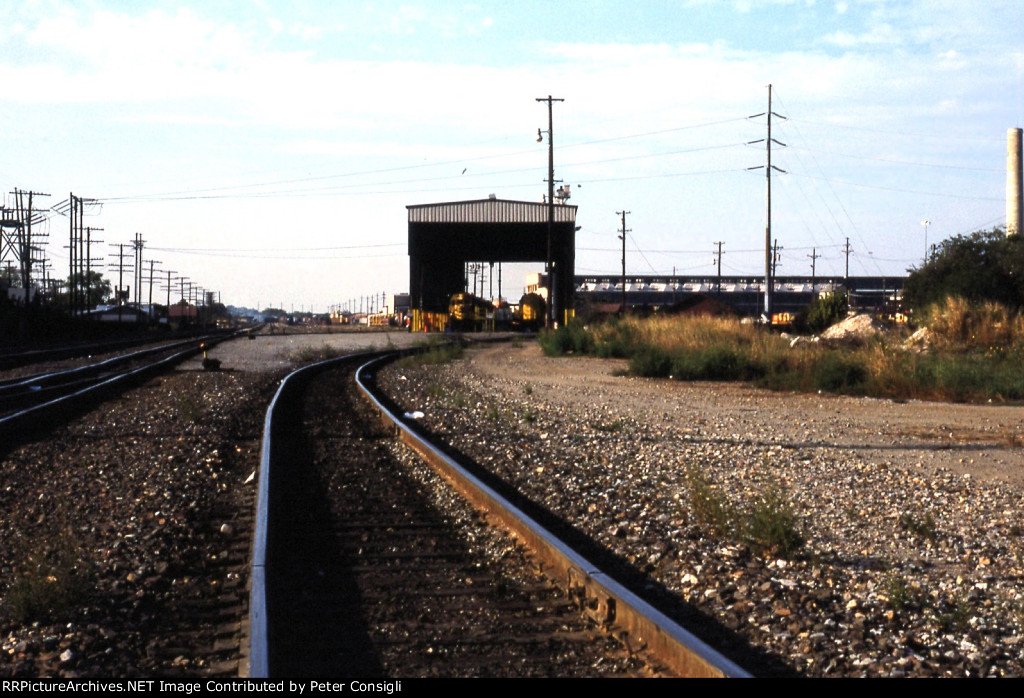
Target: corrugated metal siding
column 489, row 211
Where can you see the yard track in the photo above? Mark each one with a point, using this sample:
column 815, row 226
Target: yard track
column 363, row 567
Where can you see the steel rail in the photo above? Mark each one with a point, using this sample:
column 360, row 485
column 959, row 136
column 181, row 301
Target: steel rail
column 637, row 622
column 606, row 600
column 41, row 379
column 36, row 415
column 26, row 358
column 262, row 549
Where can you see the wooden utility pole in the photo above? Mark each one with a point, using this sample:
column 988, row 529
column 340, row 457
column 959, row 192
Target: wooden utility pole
column 623, row 238
column 776, row 256
column 718, row 260
column 152, row 262
column 550, row 266
column 137, row 247
column 814, row 258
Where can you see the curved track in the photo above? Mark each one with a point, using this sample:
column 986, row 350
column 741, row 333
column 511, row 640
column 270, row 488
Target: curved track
column 354, row 553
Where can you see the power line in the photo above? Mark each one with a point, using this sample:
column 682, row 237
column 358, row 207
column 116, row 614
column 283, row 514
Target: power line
column 900, row 162
column 898, row 189
column 942, row 136
column 199, row 193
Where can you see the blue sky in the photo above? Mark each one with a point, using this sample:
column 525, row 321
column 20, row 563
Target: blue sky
column 268, row 150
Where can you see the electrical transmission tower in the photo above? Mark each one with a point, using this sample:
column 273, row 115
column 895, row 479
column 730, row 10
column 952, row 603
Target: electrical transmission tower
column 768, row 167
column 20, row 235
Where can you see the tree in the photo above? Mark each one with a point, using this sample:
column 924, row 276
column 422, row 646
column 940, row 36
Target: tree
column 983, row 266
column 826, row 310
column 97, row 289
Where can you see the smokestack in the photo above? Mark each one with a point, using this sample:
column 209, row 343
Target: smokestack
column 1013, row 181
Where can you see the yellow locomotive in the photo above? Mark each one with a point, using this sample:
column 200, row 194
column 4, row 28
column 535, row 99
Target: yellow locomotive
column 468, row 313
column 530, row 315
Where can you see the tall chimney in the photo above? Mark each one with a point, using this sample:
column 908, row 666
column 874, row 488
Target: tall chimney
column 1013, row 181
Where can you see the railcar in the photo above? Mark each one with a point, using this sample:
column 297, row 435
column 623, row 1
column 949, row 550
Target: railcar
column 530, row 315
column 468, row 313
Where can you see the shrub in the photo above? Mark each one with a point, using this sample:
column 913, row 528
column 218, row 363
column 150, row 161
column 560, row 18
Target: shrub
column 651, row 362
column 826, row 310
column 572, row 337
column 49, row 584
column 771, row 524
column 708, row 504
column 899, row 593
column 617, row 339
column 436, row 354
column 922, row 527
column 837, row 372
column 311, row 354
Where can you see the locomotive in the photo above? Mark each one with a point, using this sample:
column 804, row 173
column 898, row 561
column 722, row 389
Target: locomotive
column 469, row 313
column 530, row 315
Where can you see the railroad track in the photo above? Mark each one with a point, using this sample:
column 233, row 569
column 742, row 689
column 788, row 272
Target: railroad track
column 362, row 569
column 40, row 400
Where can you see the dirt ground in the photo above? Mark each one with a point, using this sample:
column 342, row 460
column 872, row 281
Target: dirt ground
column 281, row 347
column 986, row 441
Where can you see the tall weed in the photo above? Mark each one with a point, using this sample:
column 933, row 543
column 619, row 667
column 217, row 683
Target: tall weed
column 708, row 348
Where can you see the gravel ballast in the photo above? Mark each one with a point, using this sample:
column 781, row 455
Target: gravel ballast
column 124, row 535
column 912, row 555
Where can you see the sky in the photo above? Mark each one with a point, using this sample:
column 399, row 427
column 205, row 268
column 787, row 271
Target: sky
column 268, row 150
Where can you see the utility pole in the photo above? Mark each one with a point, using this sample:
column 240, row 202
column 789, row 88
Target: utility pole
column 926, row 223
column 151, row 263
column 718, row 260
column 169, row 272
column 846, row 275
column 74, row 217
column 88, row 252
column 776, row 256
column 623, row 238
column 137, row 247
column 120, row 281
column 550, row 268
column 77, row 283
column 814, row 258
column 768, row 282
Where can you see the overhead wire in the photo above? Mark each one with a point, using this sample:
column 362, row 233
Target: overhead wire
column 835, row 194
column 210, row 192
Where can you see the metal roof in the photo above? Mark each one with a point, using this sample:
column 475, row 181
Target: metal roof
column 490, row 211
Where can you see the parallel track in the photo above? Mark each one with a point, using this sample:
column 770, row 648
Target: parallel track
column 36, row 402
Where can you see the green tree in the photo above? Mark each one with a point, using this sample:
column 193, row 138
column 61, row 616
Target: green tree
column 97, row 289
column 983, row 266
column 826, row 310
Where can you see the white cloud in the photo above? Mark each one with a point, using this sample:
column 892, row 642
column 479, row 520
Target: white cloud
column 879, row 35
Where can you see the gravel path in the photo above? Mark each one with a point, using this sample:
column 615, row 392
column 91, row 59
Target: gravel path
column 913, row 557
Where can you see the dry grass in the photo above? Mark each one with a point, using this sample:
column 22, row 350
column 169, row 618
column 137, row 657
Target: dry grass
column 958, row 325
column 976, row 356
